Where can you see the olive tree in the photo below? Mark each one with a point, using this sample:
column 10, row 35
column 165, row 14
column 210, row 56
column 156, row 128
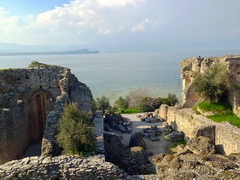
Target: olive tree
column 214, row 83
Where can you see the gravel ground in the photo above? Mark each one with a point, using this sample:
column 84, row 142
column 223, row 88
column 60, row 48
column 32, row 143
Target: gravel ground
column 137, row 126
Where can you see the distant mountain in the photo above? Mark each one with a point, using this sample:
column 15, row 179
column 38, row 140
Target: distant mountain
column 12, row 47
column 81, row 51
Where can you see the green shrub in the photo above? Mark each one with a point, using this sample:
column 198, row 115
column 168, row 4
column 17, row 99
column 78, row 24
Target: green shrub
column 75, row 131
column 214, row 83
column 122, row 102
column 103, row 103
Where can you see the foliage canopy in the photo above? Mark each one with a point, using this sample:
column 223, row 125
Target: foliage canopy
column 75, row 131
column 214, row 83
column 122, row 102
column 103, row 103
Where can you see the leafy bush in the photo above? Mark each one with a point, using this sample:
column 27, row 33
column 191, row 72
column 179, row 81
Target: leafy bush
column 103, row 103
column 148, row 104
column 122, row 102
column 214, row 83
column 75, row 131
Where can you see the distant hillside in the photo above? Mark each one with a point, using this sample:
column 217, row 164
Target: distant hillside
column 81, row 51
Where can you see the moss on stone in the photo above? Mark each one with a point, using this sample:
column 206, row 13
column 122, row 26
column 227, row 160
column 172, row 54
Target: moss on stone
column 36, row 64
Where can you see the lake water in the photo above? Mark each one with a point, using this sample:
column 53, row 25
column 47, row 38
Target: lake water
column 115, row 74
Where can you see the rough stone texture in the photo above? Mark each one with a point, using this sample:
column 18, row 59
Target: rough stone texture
column 225, row 136
column 193, row 65
column 99, row 130
column 187, row 165
column 132, row 160
column 62, row 167
column 201, row 145
column 163, row 111
column 26, row 98
column 114, row 148
column 135, row 161
column 137, row 140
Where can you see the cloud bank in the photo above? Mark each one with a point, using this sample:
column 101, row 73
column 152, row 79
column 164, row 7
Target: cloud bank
column 107, row 23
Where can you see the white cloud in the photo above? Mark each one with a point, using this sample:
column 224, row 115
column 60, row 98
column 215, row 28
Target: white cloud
column 78, row 21
column 142, row 25
column 119, row 2
column 2, row 11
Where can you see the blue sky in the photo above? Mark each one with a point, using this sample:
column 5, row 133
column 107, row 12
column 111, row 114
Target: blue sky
column 110, row 25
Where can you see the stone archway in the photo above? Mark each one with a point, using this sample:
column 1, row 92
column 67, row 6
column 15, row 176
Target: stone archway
column 42, row 102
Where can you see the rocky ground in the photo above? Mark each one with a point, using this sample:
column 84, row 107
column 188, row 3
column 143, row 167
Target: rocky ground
column 199, row 161
column 137, row 126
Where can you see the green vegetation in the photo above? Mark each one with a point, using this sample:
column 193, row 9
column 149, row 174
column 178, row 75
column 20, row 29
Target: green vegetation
column 10, row 69
column 140, row 99
column 171, row 148
column 75, row 131
column 39, row 65
column 127, row 111
column 231, row 118
column 223, row 112
column 122, row 102
column 214, row 83
column 148, row 104
column 214, row 107
column 103, row 104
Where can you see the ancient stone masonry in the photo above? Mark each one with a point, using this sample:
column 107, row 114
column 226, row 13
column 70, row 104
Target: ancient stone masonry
column 192, row 65
column 99, row 131
column 62, row 167
column 225, row 136
column 32, row 98
column 66, row 167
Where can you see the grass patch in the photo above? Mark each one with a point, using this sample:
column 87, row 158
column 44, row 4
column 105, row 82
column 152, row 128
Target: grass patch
column 127, row 111
column 171, row 148
column 230, row 117
column 214, row 107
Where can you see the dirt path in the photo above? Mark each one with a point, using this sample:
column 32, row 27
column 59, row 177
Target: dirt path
column 137, row 126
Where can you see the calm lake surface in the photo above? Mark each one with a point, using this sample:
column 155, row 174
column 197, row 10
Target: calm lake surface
column 115, row 74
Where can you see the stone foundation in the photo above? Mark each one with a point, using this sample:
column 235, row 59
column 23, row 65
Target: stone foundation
column 225, row 136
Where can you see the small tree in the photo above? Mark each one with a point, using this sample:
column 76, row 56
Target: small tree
column 214, row 83
column 75, row 131
column 136, row 96
column 103, row 103
column 172, row 99
column 122, row 102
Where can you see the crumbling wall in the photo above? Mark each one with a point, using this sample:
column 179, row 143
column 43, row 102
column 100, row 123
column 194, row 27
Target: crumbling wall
column 194, row 65
column 27, row 96
column 225, row 136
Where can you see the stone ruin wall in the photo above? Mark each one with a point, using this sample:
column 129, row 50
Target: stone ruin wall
column 26, row 98
column 70, row 167
column 225, row 135
column 66, row 167
column 192, row 65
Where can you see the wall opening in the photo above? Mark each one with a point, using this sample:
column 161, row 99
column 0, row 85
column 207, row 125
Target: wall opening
column 42, row 102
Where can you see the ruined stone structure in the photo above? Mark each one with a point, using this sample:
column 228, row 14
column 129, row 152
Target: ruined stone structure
column 192, row 65
column 30, row 103
column 225, row 136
